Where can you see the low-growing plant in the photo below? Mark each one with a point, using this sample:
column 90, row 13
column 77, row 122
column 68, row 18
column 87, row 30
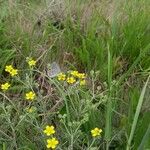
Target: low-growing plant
column 77, row 80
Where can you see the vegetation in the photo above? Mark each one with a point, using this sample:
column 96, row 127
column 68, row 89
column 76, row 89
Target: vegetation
column 74, row 75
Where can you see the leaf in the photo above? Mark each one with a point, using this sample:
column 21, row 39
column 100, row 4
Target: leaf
column 136, row 116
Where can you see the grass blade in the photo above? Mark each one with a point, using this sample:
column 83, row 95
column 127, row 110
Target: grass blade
column 109, row 102
column 138, row 109
column 145, row 138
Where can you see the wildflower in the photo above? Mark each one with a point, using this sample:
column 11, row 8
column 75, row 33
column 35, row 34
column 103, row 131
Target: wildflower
column 49, row 130
column 13, row 72
column 71, row 80
column 74, row 73
column 61, row 76
column 96, row 132
column 8, row 68
column 31, row 109
column 52, row 143
column 82, row 82
column 30, row 95
column 31, row 62
column 81, row 75
column 5, row 86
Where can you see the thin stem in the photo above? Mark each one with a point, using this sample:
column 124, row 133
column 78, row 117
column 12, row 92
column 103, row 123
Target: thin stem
column 62, row 92
column 91, row 144
column 109, row 102
column 12, row 128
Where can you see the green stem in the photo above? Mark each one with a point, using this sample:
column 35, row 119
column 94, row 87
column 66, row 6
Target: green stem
column 91, row 144
column 64, row 98
column 62, row 92
column 109, row 102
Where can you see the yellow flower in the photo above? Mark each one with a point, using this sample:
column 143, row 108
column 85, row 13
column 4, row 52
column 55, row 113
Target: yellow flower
column 81, row 75
column 31, row 109
column 61, row 76
column 5, row 86
column 82, row 82
column 52, row 143
column 31, row 62
column 30, row 95
column 13, row 72
column 8, row 68
column 96, row 132
column 71, row 80
column 49, row 130
column 74, row 73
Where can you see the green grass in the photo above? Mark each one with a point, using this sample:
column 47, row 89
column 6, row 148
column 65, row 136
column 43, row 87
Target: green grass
column 109, row 41
column 138, row 109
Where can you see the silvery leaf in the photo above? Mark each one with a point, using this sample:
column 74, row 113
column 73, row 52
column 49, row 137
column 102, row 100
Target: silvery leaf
column 53, row 70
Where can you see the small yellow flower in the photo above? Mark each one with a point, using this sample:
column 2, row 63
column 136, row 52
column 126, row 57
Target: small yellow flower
column 52, row 143
column 31, row 109
column 31, row 62
column 74, row 73
column 8, row 68
column 81, row 75
column 49, row 130
column 96, row 132
column 5, row 86
column 13, row 72
column 71, row 80
column 61, row 76
column 30, row 95
column 82, row 82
